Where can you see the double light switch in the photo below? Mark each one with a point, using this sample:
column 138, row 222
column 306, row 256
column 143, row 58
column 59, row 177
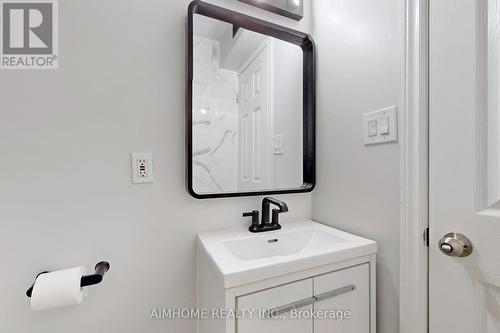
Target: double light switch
column 380, row 126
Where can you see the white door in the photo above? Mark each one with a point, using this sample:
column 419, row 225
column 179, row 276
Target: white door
column 464, row 293
column 254, row 153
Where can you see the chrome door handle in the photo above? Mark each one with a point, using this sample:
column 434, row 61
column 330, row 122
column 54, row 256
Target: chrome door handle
column 308, row 301
column 289, row 307
column 336, row 292
column 455, row 245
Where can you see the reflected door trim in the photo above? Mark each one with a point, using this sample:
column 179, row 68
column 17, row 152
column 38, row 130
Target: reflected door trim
column 306, row 43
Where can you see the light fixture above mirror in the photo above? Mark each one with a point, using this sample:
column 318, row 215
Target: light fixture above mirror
column 293, row 9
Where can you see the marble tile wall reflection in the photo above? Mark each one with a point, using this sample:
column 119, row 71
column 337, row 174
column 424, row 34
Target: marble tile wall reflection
column 215, row 121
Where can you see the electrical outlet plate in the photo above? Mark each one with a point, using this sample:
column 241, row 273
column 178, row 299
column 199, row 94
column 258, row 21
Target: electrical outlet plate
column 142, row 168
column 380, row 126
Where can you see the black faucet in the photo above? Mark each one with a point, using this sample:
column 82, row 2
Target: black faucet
column 265, row 225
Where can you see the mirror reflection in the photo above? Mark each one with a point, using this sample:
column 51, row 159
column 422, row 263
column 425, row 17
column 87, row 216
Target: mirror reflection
column 247, row 116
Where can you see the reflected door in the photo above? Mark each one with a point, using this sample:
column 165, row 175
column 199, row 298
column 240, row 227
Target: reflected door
column 255, row 128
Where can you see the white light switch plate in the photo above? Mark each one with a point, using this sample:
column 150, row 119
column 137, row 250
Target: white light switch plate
column 386, row 123
column 279, row 143
column 142, row 168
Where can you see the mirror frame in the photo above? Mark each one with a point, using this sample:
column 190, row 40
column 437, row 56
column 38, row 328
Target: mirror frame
column 306, row 43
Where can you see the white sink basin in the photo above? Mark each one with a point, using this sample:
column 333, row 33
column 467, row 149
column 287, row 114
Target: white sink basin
column 242, row 257
column 280, row 244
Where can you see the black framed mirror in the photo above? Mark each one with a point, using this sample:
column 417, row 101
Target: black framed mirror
column 250, row 105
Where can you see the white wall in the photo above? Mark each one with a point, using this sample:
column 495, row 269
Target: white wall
column 360, row 52
column 65, row 193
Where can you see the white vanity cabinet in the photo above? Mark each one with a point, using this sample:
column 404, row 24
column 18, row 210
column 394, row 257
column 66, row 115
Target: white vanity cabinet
column 340, row 302
column 317, row 292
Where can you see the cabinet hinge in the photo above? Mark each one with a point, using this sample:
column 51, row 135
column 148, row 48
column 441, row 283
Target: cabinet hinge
column 426, row 237
column 237, row 98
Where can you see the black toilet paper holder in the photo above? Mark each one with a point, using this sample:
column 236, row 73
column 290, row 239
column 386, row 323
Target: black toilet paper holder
column 87, row 280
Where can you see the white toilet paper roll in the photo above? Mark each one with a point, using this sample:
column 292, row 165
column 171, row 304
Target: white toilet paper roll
column 57, row 289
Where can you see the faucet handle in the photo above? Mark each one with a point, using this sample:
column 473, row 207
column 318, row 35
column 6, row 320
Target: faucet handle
column 254, row 215
column 251, row 214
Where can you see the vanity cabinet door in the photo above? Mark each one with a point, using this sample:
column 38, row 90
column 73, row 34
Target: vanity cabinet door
column 281, row 299
column 344, row 290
